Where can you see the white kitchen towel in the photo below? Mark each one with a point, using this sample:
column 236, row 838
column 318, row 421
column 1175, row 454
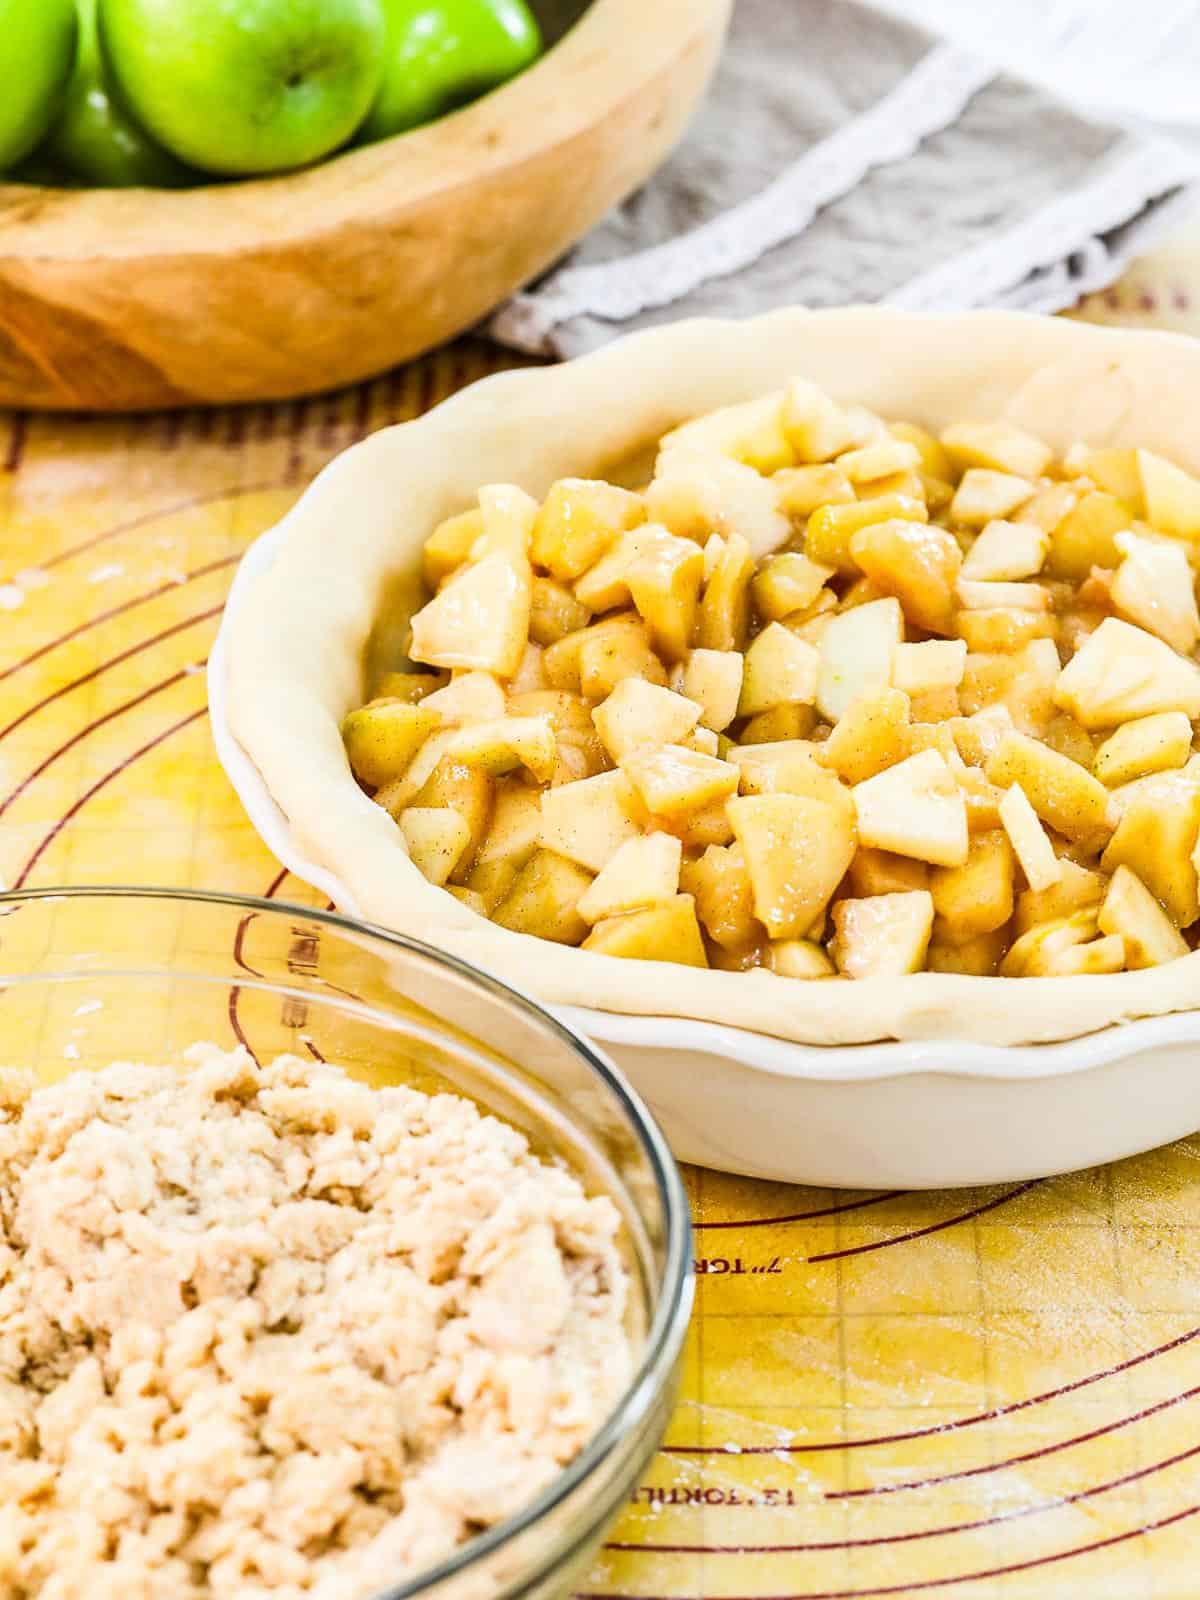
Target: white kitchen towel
column 846, row 155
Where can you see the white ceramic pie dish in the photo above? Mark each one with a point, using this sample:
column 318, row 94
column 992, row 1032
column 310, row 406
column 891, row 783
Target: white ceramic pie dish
column 932, row 1110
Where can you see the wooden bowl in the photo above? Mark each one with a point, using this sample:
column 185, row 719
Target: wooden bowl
column 115, row 300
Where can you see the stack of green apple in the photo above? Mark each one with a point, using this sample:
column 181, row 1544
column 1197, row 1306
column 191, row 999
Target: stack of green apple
column 165, row 93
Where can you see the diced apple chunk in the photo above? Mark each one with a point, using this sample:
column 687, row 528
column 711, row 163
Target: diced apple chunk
column 1076, row 890
column 885, row 936
column 465, row 789
column 1065, row 796
column 570, row 717
column 589, row 820
column 508, row 743
column 554, row 612
column 873, row 733
column 1029, row 840
column 1172, row 496
column 934, row 459
column 437, row 838
column 1156, row 839
column 382, row 737
column 561, row 660
column 720, row 885
column 880, row 872
column 695, row 493
column 643, row 872
column 978, row 896
column 918, row 562
column 831, row 527
column 1114, row 470
column 798, row 958
column 796, row 851
column 580, row 518
column 933, row 664
column 704, row 740
column 712, row 679
column 515, row 824
column 977, row 736
column 471, row 697
column 400, row 792
column 983, row 496
column 544, row 900
column 981, row 798
column 1094, row 956
column 751, row 433
column 989, row 596
column 1137, row 749
column 998, row 446
column 1049, row 506
column 1130, row 910
column 1154, row 587
column 779, row 670
column 674, row 781
column 492, row 881
column 779, row 724
column 879, row 459
column 660, row 933
column 606, row 584
column 787, row 583
column 915, row 809
column 642, row 716
column 714, row 549
column 815, row 427
column 1017, row 686
column 664, row 584
column 790, row 766
column 480, row 619
column 724, row 617
column 934, row 705
column 508, row 515
column 1005, row 552
column 801, row 490
column 1003, row 629
column 857, row 650
column 975, row 958
column 1084, row 537
column 1121, row 673
column 448, row 546
column 1064, row 948
column 530, row 676
column 607, row 656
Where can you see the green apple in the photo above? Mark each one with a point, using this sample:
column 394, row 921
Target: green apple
column 96, row 139
column 245, row 86
column 442, row 53
column 37, row 53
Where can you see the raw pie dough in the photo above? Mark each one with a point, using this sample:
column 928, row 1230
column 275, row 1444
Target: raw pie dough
column 298, row 643
column 270, row 1334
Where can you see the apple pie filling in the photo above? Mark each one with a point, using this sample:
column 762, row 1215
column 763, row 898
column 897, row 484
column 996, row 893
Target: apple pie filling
column 829, row 695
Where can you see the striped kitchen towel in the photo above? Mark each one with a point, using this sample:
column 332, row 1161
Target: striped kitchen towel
column 844, row 155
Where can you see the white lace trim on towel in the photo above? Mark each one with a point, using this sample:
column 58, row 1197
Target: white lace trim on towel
column 1095, row 265
column 931, row 97
column 1070, row 224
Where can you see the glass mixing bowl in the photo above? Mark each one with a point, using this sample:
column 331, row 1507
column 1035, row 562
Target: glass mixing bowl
column 92, row 975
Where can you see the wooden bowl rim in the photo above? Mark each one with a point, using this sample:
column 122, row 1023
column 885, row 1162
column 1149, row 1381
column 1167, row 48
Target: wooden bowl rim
column 397, row 176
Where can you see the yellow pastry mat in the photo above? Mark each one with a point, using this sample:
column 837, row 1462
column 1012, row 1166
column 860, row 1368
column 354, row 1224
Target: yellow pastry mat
column 988, row 1393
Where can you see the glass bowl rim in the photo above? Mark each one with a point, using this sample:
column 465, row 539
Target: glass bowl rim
column 672, row 1308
